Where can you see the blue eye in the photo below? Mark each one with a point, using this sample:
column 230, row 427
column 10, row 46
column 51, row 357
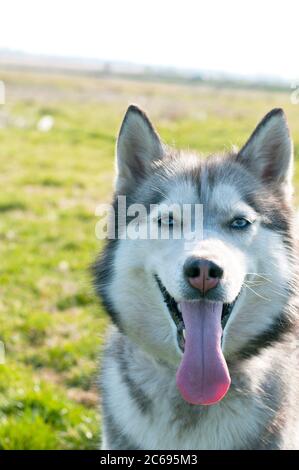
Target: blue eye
column 240, row 223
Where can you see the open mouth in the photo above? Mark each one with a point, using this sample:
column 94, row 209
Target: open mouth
column 176, row 314
column 202, row 377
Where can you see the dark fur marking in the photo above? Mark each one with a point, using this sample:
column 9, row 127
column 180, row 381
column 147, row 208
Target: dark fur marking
column 186, row 416
column 274, row 334
column 117, row 439
column 102, row 272
column 274, row 400
column 143, row 402
column 277, row 214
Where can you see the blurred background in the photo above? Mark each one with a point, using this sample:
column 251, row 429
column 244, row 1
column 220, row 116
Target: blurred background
column 205, row 71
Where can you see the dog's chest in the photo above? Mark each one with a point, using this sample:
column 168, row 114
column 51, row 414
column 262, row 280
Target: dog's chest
column 153, row 416
column 218, row 429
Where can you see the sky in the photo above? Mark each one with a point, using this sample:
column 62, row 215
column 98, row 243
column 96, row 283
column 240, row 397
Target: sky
column 245, row 37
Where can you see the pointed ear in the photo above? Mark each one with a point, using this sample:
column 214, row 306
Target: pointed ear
column 138, row 146
column 269, row 152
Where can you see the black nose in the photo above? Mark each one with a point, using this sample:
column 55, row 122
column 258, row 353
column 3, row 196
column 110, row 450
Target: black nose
column 202, row 274
column 193, row 267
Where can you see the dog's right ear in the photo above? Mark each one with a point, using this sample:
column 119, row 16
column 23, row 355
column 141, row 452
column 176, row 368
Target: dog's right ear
column 138, row 146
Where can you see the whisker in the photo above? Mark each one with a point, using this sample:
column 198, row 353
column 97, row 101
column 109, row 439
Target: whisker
column 256, row 293
column 281, row 293
column 260, row 275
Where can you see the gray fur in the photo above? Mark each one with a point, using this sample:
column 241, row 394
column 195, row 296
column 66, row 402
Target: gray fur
column 142, row 407
column 116, row 438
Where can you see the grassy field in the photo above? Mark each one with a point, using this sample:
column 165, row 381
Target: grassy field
column 50, row 321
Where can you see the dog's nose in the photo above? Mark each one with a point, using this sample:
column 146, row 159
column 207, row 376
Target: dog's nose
column 202, row 273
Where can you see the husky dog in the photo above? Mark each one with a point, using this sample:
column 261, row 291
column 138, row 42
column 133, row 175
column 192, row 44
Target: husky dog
column 203, row 353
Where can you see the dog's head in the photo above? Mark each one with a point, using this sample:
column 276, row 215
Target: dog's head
column 215, row 288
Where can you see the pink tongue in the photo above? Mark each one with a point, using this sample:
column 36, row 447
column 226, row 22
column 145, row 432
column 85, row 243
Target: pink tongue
column 203, row 377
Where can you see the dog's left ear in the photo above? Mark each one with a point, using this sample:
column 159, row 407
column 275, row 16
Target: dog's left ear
column 269, row 152
column 138, row 146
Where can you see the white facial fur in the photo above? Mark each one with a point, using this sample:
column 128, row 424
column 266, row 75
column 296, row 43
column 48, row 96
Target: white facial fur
column 254, row 260
column 245, row 257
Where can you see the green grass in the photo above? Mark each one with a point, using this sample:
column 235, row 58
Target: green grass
column 51, row 323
